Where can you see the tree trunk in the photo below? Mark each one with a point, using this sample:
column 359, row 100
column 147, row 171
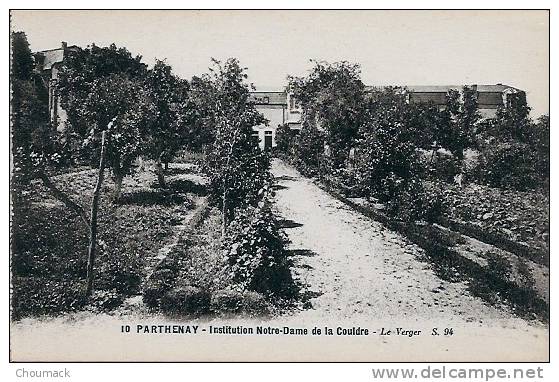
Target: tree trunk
column 160, row 173
column 118, row 186
column 93, row 219
column 60, row 195
column 166, row 165
column 224, row 213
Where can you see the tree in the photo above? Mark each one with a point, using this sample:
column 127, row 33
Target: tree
column 237, row 169
column 332, row 97
column 386, row 151
column 125, row 105
column 97, row 85
column 540, row 141
column 171, row 126
column 80, row 70
column 30, row 128
column 512, row 121
column 285, row 138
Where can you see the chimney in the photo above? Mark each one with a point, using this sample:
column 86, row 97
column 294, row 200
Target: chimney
column 64, row 45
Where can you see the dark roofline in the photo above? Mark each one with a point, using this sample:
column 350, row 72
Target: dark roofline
column 53, row 49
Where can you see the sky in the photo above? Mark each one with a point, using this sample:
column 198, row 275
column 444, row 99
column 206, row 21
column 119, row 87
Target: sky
column 392, row 47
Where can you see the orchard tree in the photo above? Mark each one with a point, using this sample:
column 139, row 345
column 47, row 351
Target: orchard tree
column 30, row 127
column 458, row 122
column 125, row 106
column 332, row 98
column 80, row 70
column 386, row 151
column 174, row 114
column 512, row 121
column 97, row 85
column 237, row 169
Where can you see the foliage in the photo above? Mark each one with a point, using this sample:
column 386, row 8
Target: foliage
column 508, row 165
column 332, row 97
column 254, row 249
column 285, row 139
column 122, row 107
column 232, row 301
column 512, row 121
column 522, row 216
column 237, row 169
column 81, row 69
column 458, row 121
column 186, row 300
column 308, row 151
column 170, row 129
column 386, row 155
column 409, row 200
column 539, row 141
column 32, row 136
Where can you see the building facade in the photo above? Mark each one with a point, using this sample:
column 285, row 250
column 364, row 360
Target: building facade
column 280, row 108
column 47, row 64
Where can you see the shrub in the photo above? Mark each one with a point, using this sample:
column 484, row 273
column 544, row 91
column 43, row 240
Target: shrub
column 226, row 301
column 232, row 301
column 409, row 200
column 159, row 283
column 186, row 299
column 442, row 167
column 120, row 271
column 38, row 296
column 285, row 139
column 254, row 249
column 508, row 165
column 308, row 151
column 105, row 300
column 255, row 304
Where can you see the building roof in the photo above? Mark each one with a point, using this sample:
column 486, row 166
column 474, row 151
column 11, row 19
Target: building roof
column 53, row 56
column 269, row 97
column 498, row 88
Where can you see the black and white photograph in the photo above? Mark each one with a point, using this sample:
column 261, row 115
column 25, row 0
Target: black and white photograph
column 279, row 186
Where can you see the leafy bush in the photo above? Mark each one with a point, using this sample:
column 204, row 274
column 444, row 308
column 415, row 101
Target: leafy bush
column 232, row 301
column 308, row 151
column 254, row 249
column 38, row 296
column 285, row 139
column 409, row 200
column 186, row 299
column 441, row 166
column 106, row 300
column 508, row 165
column 119, row 271
column 160, row 282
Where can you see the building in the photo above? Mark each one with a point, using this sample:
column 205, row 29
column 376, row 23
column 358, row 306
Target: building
column 47, row 63
column 280, row 108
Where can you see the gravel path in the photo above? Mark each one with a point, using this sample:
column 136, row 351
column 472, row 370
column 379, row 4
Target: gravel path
column 356, row 269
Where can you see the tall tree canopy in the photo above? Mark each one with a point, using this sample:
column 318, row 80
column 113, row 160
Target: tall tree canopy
column 332, row 97
column 237, row 168
column 171, row 127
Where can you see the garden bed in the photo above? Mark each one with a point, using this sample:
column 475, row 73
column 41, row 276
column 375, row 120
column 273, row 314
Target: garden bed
column 521, row 217
column 49, row 243
column 194, row 279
